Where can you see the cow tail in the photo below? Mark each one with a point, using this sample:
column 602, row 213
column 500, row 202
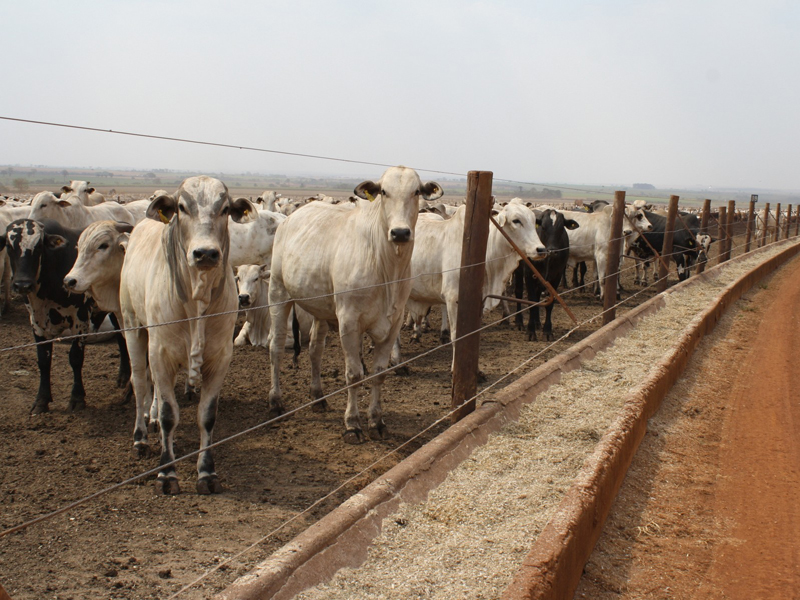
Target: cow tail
column 296, row 335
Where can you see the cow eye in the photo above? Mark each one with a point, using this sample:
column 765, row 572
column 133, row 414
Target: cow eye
column 517, row 222
column 103, row 246
column 182, row 208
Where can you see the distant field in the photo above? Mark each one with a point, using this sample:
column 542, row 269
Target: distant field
column 29, row 180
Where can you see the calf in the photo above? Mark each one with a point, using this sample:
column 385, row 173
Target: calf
column 552, row 228
column 41, row 253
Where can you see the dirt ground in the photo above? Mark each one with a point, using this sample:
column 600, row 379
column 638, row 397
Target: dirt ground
column 709, row 507
column 133, row 544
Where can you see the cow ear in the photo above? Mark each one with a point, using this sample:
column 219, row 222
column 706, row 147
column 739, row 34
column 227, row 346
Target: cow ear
column 263, row 272
column 571, row 224
column 123, row 227
column 54, row 241
column 123, row 242
column 243, row 211
column 501, row 218
column 65, row 189
column 367, row 190
column 431, row 190
column 538, row 214
column 64, row 203
column 162, row 208
column 90, row 190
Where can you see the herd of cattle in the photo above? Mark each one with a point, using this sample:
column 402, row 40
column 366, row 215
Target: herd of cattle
column 166, row 269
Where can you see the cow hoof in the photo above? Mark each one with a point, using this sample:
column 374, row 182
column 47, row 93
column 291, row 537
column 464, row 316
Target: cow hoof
column 141, row 450
column 444, row 338
column 548, row 337
column 378, row 433
column 481, row 377
column 353, row 436
column 532, row 336
column 414, row 339
column 404, row 370
column 208, row 485
column 77, row 403
column 168, row 486
column 320, row 406
column 40, row 407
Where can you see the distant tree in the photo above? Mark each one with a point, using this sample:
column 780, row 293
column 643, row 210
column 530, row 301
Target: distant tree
column 150, row 176
column 64, row 173
column 20, row 184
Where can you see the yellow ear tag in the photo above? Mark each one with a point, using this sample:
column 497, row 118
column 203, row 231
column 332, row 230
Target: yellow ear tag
column 370, row 197
column 246, row 212
column 163, row 218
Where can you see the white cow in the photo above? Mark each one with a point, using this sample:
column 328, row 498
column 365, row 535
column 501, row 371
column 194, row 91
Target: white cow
column 87, row 195
column 176, row 268
column 267, row 200
column 349, row 265
column 437, row 258
column 251, row 242
column 589, row 241
column 71, row 213
column 253, row 284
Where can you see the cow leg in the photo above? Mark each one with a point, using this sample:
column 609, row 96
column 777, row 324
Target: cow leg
column 77, row 399
column 124, row 374
column 534, row 292
column 6, row 282
column 519, row 290
column 600, row 268
column 207, row 480
column 164, row 376
column 354, row 372
column 279, row 314
column 444, row 333
column 646, row 273
column 582, row 270
column 137, row 342
column 425, row 324
column 547, row 328
column 44, row 355
column 377, row 428
column 315, row 348
column 416, row 320
column 244, row 332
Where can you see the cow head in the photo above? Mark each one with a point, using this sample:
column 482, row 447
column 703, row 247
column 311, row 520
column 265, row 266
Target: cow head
column 197, row 215
column 398, row 191
column 635, row 220
column 46, row 205
column 252, row 281
column 519, row 222
column 25, row 241
column 551, row 227
column 101, row 250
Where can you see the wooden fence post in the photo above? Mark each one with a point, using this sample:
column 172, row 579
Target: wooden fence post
column 777, row 235
column 704, row 229
column 750, row 214
column 788, row 221
column 762, row 242
column 723, row 234
column 731, row 218
column 470, row 292
column 612, row 263
column 666, row 250
column 797, row 221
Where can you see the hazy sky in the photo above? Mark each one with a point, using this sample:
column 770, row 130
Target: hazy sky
column 672, row 92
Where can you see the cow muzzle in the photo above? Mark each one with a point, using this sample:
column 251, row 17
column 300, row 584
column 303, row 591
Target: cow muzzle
column 70, row 283
column 244, row 300
column 206, row 258
column 400, row 235
column 23, row 286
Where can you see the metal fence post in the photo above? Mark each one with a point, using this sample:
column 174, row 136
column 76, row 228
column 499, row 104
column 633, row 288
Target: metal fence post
column 470, row 292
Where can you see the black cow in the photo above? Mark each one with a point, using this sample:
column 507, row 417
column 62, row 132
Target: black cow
column 687, row 248
column 41, row 254
column 552, row 229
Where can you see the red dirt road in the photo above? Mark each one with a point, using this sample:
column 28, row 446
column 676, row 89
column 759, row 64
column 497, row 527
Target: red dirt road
column 711, row 505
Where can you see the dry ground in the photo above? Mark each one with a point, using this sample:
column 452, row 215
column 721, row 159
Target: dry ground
column 709, row 507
